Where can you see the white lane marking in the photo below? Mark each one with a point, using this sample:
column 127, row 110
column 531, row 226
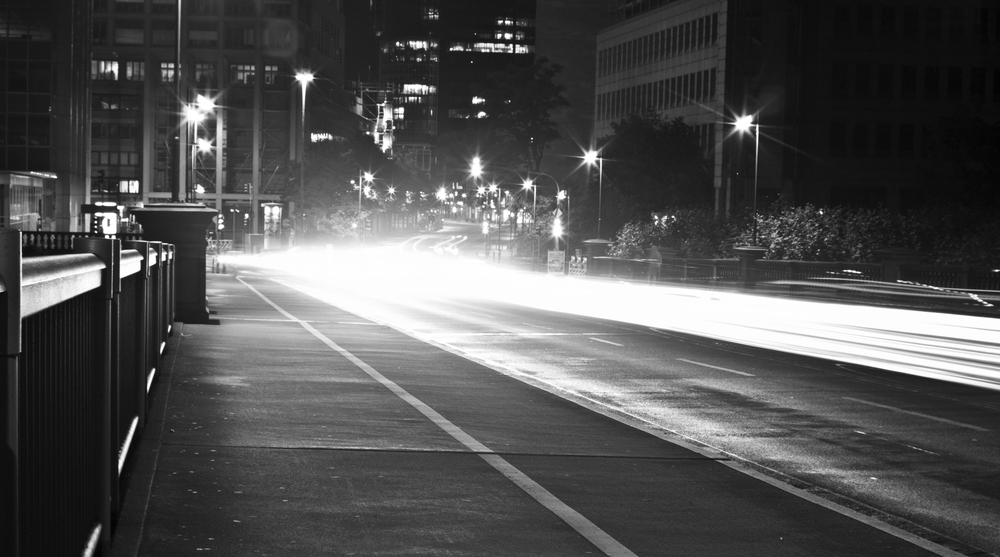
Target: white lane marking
column 894, row 442
column 929, row 417
column 608, row 545
column 606, row 341
column 537, row 326
column 483, row 315
column 717, row 367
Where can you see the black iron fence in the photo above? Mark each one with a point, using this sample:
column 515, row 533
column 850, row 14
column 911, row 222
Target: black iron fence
column 83, row 339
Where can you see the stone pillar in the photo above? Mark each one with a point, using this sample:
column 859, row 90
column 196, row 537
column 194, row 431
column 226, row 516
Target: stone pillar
column 894, row 258
column 747, row 255
column 592, row 250
column 184, row 225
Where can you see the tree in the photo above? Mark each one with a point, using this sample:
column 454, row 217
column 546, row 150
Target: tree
column 518, row 103
column 332, row 171
column 655, row 162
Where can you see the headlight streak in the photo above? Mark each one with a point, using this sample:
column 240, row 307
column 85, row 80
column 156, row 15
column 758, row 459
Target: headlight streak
column 949, row 347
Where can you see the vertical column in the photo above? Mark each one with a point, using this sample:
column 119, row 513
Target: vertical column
column 10, row 306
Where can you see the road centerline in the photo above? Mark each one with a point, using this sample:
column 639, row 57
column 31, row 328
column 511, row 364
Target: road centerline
column 583, row 526
column 912, row 413
column 606, row 341
column 716, row 367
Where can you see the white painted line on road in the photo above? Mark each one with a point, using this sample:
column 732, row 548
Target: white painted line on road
column 608, row 545
column 483, row 315
column 929, row 417
column 717, row 367
column 538, row 326
column 606, row 341
column 894, row 442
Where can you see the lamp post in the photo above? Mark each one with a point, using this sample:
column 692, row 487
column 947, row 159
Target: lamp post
column 234, row 212
column 743, row 124
column 368, row 177
column 590, row 158
column 304, row 78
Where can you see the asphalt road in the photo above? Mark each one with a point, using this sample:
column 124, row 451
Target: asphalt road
column 923, row 455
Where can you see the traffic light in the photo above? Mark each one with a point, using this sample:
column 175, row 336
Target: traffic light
column 222, row 221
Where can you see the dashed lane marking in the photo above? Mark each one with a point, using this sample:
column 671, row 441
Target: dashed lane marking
column 717, row 367
column 911, row 413
column 608, row 545
column 606, row 341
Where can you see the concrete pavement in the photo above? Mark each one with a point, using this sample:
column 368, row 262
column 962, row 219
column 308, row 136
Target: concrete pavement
column 290, row 427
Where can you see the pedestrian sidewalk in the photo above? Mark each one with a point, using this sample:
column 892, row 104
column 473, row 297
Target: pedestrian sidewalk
column 291, row 427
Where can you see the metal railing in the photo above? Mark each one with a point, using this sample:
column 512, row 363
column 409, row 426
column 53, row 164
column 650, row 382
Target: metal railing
column 34, row 243
column 83, row 337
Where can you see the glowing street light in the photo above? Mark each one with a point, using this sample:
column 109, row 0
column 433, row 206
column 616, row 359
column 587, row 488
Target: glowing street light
column 591, row 157
column 743, row 124
column 304, row 78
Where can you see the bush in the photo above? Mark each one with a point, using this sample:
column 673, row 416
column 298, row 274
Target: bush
column 692, row 232
column 946, row 235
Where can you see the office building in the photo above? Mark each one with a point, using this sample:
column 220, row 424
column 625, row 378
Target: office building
column 847, row 94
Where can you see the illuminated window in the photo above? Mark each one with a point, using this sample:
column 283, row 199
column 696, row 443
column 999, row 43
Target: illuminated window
column 104, row 70
column 398, row 113
column 270, row 75
column 418, row 89
column 505, row 21
column 128, row 186
column 478, row 100
column 242, row 73
column 135, row 71
column 204, row 74
column 167, row 72
column 417, row 45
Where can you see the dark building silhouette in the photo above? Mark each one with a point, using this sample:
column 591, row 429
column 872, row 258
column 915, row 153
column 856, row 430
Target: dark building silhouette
column 848, row 94
column 44, row 125
column 431, row 52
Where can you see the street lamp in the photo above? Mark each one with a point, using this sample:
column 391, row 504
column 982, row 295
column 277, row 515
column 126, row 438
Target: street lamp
column 590, row 158
column 235, row 212
column 743, row 124
column 304, row 78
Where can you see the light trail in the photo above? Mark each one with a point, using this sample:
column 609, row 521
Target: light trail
column 949, row 347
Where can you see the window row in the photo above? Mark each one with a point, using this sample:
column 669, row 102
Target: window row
column 933, row 24
column 114, row 158
column 679, row 39
column 906, row 82
column 115, row 102
column 672, row 92
column 205, row 74
column 246, row 8
column 879, row 140
column 492, row 48
column 200, row 34
column 113, row 131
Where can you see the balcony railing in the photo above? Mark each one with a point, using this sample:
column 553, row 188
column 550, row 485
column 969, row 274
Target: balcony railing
column 84, row 336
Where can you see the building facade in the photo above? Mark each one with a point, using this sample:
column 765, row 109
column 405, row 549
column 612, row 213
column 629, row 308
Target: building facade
column 432, row 52
column 199, row 101
column 44, row 125
column 847, row 95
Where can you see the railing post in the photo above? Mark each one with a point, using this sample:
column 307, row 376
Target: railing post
column 10, row 305
column 145, row 331
column 106, row 302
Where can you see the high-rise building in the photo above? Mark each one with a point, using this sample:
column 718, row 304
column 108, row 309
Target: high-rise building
column 846, row 94
column 44, row 126
column 431, row 52
column 213, row 100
